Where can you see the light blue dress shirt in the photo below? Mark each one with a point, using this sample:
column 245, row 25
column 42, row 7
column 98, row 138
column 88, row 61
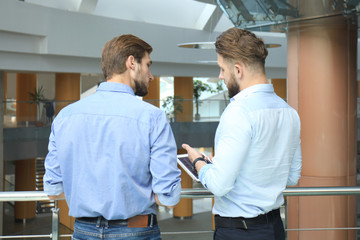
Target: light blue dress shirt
column 109, row 153
column 257, row 153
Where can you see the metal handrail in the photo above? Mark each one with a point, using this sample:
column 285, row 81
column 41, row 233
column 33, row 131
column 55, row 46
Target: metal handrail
column 185, row 193
column 196, row 193
column 292, row 191
column 23, row 196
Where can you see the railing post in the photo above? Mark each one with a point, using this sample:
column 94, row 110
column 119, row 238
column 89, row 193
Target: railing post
column 2, row 114
column 55, row 222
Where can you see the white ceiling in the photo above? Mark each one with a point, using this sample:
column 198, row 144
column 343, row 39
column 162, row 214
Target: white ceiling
column 175, row 13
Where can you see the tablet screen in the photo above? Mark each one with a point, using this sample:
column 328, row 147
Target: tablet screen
column 185, row 163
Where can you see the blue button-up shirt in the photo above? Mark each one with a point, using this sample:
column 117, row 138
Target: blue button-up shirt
column 257, row 153
column 109, row 153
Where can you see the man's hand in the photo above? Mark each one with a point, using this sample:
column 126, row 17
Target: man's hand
column 192, row 153
column 57, row 197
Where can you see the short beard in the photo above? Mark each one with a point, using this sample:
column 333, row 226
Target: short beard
column 233, row 87
column 140, row 89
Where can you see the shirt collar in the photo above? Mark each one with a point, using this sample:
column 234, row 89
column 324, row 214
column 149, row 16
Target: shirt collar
column 115, row 87
column 255, row 88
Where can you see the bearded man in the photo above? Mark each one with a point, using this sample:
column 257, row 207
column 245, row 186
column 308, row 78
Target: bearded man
column 257, row 145
column 112, row 155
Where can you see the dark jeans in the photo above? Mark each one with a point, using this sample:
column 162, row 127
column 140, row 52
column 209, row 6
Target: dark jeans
column 272, row 229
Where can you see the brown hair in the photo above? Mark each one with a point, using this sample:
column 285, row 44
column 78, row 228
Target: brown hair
column 117, row 50
column 241, row 45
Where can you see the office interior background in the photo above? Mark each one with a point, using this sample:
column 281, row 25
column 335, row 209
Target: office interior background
column 50, row 56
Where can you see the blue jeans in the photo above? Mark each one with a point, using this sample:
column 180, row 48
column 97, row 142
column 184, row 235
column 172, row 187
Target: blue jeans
column 91, row 231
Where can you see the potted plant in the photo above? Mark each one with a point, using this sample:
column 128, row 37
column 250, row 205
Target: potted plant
column 199, row 88
column 37, row 96
column 172, row 105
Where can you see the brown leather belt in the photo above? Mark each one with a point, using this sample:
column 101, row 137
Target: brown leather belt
column 139, row 221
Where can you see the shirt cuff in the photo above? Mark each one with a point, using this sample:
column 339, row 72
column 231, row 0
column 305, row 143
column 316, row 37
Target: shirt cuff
column 171, row 199
column 202, row 173
column 53, row 190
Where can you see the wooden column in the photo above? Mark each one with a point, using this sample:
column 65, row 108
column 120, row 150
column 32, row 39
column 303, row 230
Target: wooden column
column 183, row 86
column 153, row 95
column 322, row 71
column 67, row 89
column 25, row 181
column 25, row 110
column 25, row 169
column 280, row 87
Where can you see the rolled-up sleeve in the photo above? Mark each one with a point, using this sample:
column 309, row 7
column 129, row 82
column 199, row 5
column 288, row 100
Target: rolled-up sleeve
column 172, row 198
column 163, row 164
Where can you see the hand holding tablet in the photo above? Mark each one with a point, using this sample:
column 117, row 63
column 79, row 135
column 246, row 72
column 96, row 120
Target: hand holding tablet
column 184, row 161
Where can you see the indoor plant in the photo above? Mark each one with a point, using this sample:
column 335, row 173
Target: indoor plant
column 199, row 88
column 172, row 105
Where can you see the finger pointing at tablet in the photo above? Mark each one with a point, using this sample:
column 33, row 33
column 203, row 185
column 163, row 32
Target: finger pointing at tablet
column 193, row 154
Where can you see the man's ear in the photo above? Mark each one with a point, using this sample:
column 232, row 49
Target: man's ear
column 130, row 62
column 238, row 70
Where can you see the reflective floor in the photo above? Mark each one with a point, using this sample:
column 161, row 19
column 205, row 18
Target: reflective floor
column 198, row 227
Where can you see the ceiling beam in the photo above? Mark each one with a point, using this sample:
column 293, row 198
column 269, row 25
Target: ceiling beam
column 87, row 6
column 207, row 1
column 213, row 20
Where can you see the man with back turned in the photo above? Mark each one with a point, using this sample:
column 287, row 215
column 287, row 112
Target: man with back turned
column 257, row 145
column 113, row 155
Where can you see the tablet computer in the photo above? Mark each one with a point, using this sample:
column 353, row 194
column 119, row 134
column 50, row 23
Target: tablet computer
column 186, row 164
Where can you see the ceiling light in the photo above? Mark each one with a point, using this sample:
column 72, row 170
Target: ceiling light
column 208, row 61
column 198, row 45
column 211, row 45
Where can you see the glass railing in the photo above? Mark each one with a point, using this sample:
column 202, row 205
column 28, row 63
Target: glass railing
column 30, row 113
column 185, row 193
column 189, row 110
column 41, row 114
column 183, row 110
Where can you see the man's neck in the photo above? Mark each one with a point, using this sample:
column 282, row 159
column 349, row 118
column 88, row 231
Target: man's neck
column 122, row 78
column 254, row 80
